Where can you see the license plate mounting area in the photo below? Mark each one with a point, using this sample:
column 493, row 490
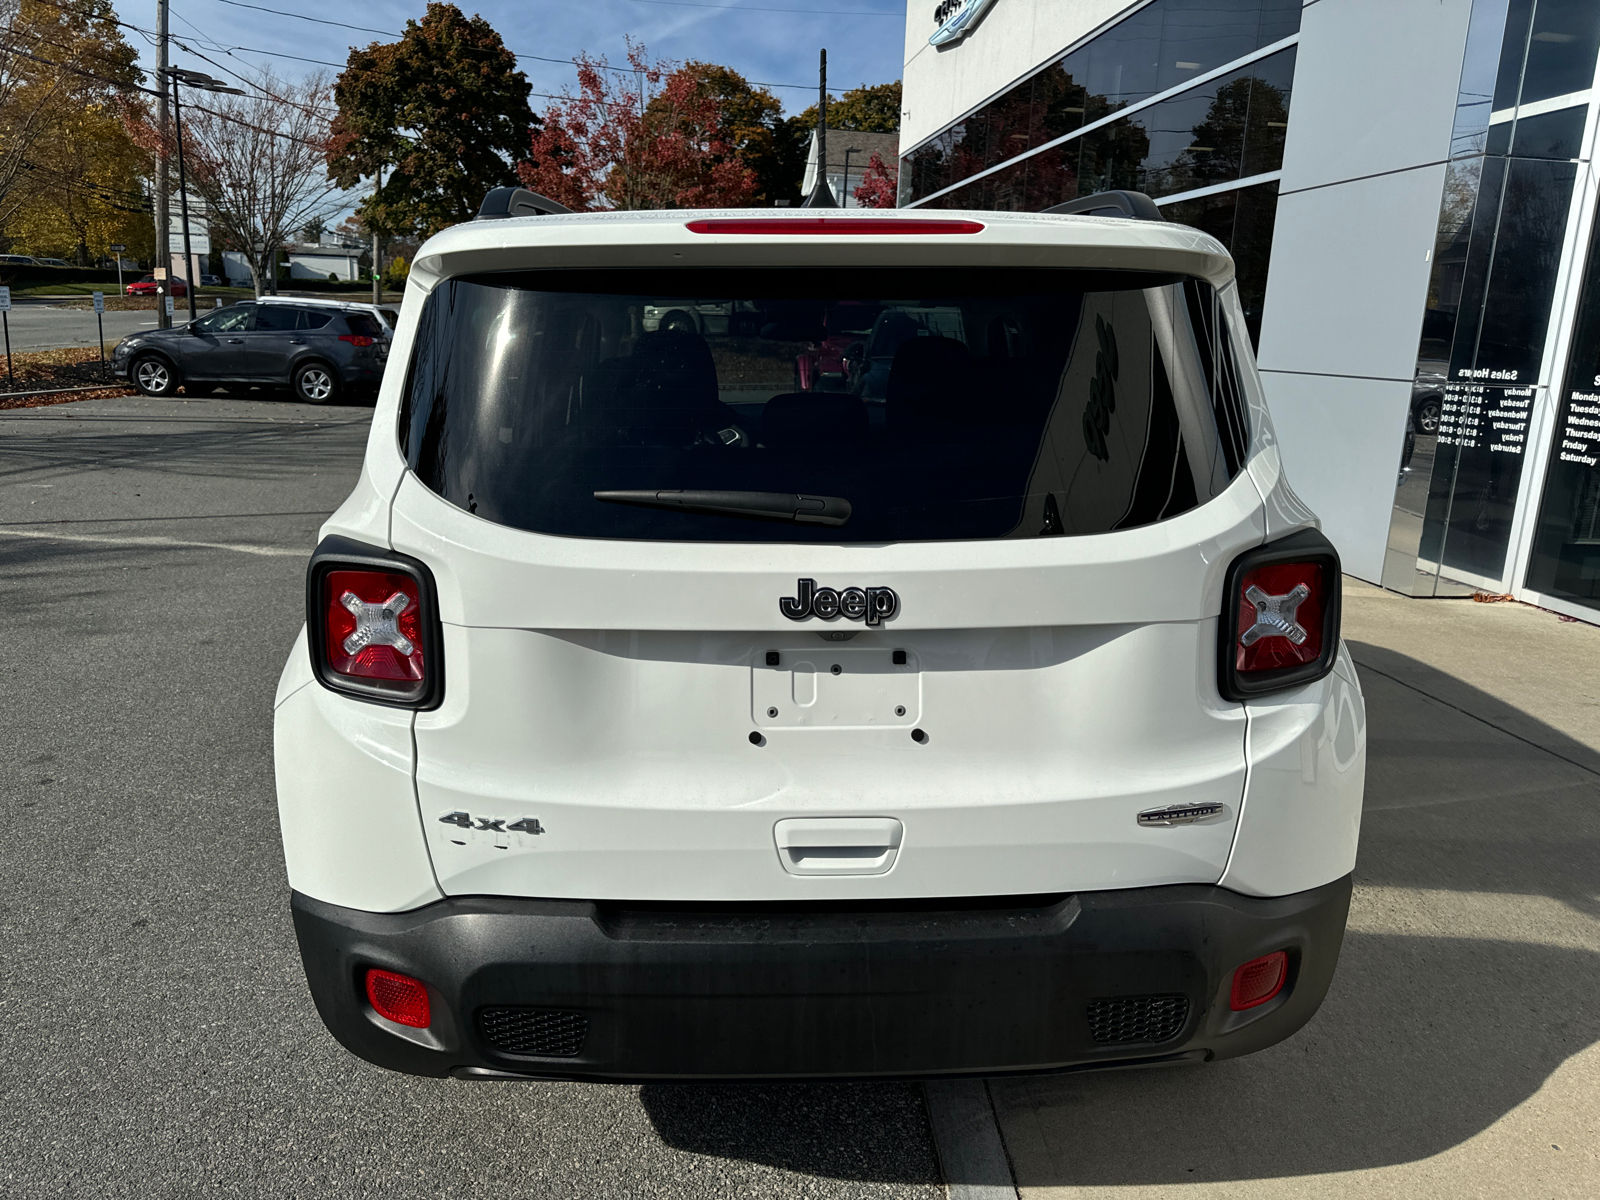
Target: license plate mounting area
column 835, row 687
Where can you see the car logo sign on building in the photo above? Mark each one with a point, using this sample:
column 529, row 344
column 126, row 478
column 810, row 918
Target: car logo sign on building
column 954, row 19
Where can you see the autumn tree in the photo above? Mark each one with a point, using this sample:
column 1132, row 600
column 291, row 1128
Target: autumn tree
column 71, row 179
column 655, row 136
column 753, row 123
column 443, row 113
column 879, row 185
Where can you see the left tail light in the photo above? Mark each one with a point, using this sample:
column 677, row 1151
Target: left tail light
column 357, row 339
column 1279, row 627
column 372, row 620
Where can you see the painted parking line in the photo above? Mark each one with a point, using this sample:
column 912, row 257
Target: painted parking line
column 155, row 540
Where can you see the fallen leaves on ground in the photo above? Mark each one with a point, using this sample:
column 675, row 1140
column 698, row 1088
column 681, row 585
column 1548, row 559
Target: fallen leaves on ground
column 73, row 367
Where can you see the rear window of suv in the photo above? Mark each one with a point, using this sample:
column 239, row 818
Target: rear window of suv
column 974, row 403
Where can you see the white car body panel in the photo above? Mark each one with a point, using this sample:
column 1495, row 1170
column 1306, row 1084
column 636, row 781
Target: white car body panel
column 607, row 687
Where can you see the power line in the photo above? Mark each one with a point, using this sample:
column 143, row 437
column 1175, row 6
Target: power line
column 565, row 62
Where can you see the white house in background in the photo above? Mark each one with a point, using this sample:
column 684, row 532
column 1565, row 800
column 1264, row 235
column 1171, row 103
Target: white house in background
column 848, row 156
column 327, row 258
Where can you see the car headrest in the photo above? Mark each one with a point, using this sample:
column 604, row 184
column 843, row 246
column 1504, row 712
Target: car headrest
column 930, row 378
column 813, row 419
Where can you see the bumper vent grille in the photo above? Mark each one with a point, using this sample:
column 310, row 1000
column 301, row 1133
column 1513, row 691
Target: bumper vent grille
column 546, row 1032
column 1137, row 1018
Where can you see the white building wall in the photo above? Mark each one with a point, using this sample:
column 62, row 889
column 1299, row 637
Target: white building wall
column 1358, row 206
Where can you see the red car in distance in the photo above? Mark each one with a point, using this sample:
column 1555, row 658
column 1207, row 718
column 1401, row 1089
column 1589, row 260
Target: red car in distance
column 147, row 287
column 823, row 366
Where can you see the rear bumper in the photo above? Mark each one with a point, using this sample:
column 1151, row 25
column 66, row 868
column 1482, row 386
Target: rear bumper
column 633, row 992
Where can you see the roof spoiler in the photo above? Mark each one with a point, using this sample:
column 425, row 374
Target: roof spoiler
column 1134, row 205
column 517, row 202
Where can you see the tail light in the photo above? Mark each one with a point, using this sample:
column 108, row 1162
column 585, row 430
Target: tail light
column 1280, row 617
column 373, row 626
column 398, row 998
column 357, row 339
column 1258, row 981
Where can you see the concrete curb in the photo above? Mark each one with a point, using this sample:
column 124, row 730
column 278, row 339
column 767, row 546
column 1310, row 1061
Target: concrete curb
column 966, row 1138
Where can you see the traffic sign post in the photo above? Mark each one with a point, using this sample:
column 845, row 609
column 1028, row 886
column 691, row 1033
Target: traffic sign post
column 100, row 322
column 169, row 304
column 5, row 322
column 116, row 249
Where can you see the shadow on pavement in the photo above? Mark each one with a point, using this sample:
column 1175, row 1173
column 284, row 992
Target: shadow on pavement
column 797, row 1127
column 1469, row 976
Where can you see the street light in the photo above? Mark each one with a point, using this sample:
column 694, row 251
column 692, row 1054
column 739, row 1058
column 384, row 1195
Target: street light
column 204, row 83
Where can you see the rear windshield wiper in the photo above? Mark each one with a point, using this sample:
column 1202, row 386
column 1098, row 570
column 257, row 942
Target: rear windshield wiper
column 770, row 506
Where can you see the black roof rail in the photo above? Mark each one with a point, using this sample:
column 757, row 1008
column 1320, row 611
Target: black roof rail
column 517, row 202
column 1135, row 205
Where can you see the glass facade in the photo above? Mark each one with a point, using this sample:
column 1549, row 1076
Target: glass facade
column 1091, row 121
column 1566, row 547
column 1160, row 47
column 1496, row 258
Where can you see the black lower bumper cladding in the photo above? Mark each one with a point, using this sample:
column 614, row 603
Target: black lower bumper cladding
column 615, row 991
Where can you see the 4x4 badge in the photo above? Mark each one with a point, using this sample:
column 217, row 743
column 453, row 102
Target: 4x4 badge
column 873, row 605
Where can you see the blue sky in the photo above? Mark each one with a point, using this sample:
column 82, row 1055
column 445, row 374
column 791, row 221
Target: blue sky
column 770, row 46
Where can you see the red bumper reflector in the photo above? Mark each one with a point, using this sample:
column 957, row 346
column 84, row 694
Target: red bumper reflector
column 399, row 998
column 1259, row 980
column 877, row 226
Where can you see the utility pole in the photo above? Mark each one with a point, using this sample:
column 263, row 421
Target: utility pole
column 163, row 247
column 377, row 262
column 183, row 198
column 821, row 194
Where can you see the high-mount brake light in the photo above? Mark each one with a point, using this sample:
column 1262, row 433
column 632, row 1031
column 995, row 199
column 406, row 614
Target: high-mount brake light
column 398, row 998
column 1280, row 617
column 1258, row 981
column 357, row 339
column 860, row 226
column 373, row 626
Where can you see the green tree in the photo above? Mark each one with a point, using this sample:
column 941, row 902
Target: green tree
column 443, row 113
column 863, row 109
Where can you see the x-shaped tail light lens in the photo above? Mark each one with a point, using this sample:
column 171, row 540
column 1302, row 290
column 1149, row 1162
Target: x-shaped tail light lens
column 374, row 625
column 1279, row 621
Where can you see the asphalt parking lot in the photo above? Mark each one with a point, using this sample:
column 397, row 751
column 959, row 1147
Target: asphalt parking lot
column 156, row 1031
column 158, row 1038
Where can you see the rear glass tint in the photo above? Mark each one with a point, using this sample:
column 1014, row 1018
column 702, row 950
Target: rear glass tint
column 938, row 404
column 363, row 324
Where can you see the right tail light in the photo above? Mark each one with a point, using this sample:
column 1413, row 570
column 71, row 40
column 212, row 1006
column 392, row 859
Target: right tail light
column 1280, row 617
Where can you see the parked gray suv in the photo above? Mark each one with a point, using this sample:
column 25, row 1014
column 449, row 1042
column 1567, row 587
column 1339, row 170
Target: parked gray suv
column 317, row 350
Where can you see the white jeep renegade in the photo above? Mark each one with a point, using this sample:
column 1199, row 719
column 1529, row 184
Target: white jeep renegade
column 657, row 718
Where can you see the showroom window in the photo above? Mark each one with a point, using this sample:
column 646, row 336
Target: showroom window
column 1566, row 545
column 1160, row 47
column 1520, row 116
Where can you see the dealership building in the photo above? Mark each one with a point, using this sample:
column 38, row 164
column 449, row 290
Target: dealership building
column 1406, row 187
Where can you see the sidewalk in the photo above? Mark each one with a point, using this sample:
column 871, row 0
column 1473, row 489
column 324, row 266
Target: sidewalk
column 1457, row 1053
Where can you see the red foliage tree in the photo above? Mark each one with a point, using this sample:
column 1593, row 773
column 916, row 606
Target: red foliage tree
column 879, row 186
column 652, row 138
